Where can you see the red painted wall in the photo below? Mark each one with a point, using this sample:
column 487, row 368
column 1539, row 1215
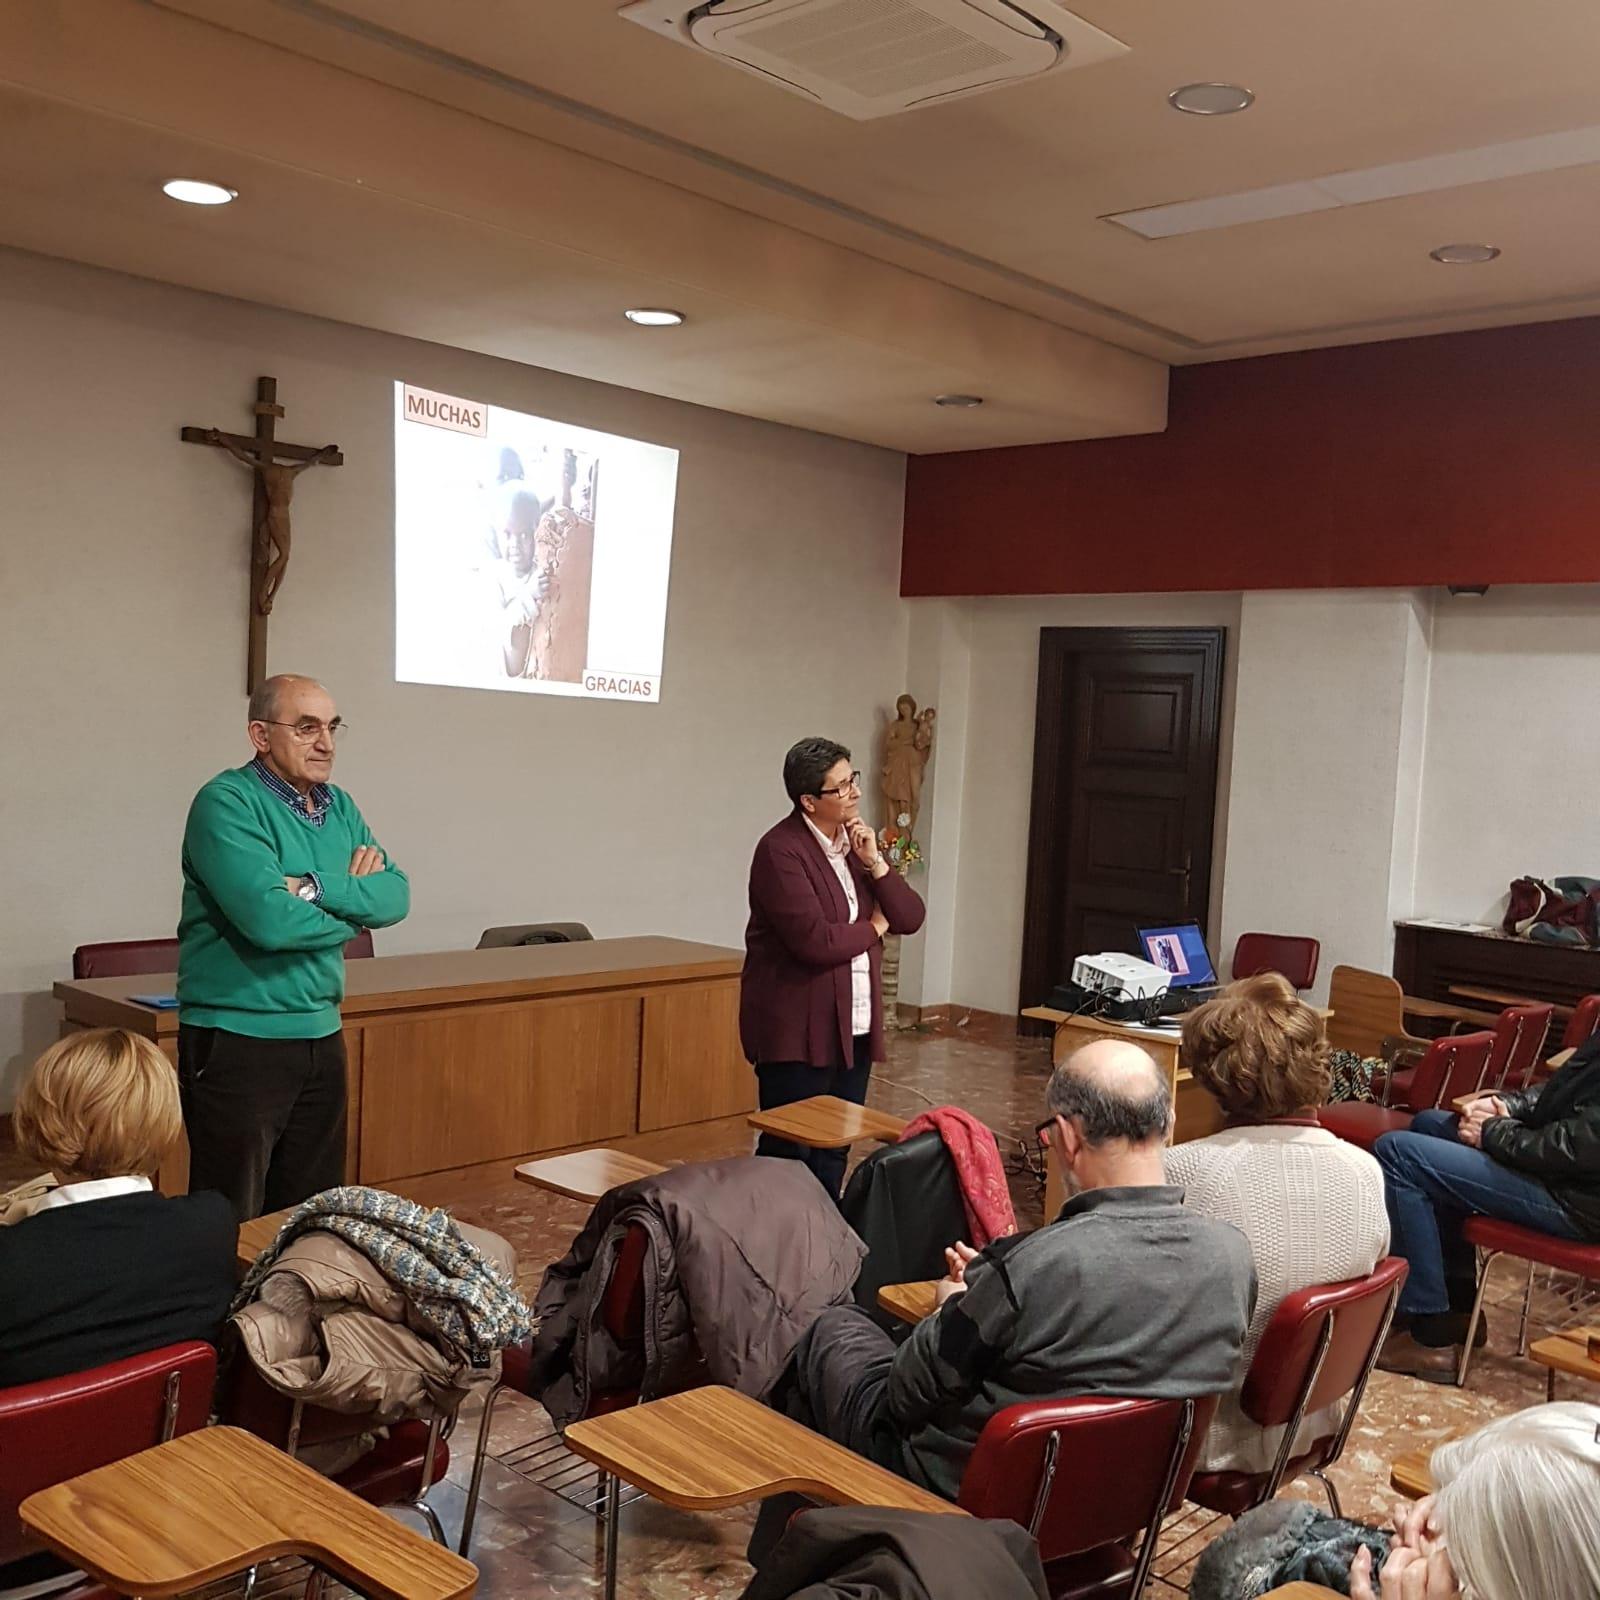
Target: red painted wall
column 1467, row 458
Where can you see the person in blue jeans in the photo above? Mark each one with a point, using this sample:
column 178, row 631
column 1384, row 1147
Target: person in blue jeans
column 1531, row 1157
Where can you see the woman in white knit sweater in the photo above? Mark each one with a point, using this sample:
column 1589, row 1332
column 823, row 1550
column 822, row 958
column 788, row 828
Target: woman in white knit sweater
column 1310, row 1204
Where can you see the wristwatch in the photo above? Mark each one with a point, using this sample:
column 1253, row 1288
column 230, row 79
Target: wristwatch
column 308, row 889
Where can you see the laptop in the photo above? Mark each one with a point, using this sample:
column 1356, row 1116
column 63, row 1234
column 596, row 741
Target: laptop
column 1180, row 949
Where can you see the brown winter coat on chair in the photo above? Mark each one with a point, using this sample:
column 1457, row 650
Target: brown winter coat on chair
column 743, row 1255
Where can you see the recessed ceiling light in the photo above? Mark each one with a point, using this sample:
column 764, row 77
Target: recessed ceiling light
column 961, row 402
column 197, row 192
column 1465, row 255
column 1211, row 99
column 653, row 316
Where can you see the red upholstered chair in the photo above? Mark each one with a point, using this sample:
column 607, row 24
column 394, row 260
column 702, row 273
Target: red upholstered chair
column 132, row 958
column 1494, row 1238
column 1583, row 1024
column 125, row 958
column 622, row 1316
column 61, row 1427
column 1452, row 1066
column 398, row 1472
column 1519, row 1038
column 1319, row 1348
column 1091, row 1479
column 1293, row 955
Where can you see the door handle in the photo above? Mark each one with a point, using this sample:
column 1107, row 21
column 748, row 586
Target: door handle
column 1183, row 873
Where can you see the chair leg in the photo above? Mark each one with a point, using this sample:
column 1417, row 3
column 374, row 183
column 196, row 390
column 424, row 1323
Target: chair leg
column 613, row 1516
column 469, row 1516
column 1527, row 1306
column 431, row 1517
column 1329, row 1490
column 1472, row 1321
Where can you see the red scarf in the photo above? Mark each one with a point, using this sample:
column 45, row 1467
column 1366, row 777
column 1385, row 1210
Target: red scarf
column 976, row 1157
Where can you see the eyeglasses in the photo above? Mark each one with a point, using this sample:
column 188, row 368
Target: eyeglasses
column 1041, row 1132
column 307, row 730
column 842, row 789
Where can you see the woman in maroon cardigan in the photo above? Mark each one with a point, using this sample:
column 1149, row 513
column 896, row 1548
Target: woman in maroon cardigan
column 821, row 900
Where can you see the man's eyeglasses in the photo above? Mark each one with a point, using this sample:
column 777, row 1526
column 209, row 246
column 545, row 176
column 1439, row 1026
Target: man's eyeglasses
column 307, row 730
column 1041, row 1132
column 840, row 790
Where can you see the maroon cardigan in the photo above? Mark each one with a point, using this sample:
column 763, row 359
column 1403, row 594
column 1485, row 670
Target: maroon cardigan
column 794, row 997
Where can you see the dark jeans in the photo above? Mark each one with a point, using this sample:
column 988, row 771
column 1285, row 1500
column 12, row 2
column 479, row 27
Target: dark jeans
column 265, row 1117
column 838, row 1386
column 781, row 1083
column 1432, row 1184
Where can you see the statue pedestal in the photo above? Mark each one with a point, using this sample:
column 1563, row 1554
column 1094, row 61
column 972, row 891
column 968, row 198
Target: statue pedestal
column 890, row 981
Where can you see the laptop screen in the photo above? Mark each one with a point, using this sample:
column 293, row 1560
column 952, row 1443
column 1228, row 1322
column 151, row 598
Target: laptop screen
column 1181, row 950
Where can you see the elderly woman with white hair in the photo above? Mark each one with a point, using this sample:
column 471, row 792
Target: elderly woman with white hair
column 1515, row 1516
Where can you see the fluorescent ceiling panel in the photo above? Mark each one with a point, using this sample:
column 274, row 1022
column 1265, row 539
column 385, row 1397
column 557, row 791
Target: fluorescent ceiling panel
column 1516, row 158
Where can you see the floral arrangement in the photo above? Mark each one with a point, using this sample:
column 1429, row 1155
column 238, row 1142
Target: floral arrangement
column 900, row 849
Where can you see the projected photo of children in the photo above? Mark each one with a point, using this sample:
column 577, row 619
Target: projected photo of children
column 543, row 561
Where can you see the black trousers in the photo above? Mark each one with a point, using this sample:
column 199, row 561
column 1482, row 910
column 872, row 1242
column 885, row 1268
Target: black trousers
column 265, row 1117
column 781, row 1083
column 837, row 1384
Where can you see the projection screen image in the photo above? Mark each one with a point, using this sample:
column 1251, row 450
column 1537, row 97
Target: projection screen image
column 529, row 555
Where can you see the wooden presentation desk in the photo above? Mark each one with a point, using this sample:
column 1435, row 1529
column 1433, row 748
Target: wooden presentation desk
column 467, row 1056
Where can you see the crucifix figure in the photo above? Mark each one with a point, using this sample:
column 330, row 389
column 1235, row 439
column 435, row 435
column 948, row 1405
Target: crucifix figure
column 274, row 489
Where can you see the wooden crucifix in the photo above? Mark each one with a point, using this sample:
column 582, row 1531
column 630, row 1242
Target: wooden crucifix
column 269, row 523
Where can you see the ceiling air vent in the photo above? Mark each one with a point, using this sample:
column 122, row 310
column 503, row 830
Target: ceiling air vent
column 873, row 58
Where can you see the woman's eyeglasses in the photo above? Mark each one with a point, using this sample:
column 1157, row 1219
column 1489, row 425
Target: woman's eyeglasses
column 840, row 790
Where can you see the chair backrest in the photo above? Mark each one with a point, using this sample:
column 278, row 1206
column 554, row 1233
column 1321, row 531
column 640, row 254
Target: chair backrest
column 1518, row 1048
column 1083, row 1473
column 58, row 1428
column 904, row 1201
column 622, row 1304
column 1583, row 1024
column 132, row 958
column 1366, row 1010
column 125, row 958
column 1452, row 1066
column 1292, row 954
column 1319, row 1346
column 533, row 933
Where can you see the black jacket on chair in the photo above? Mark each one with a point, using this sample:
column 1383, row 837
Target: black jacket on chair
column 1553, row 1134
column 904, row 1201
column 853, row 1551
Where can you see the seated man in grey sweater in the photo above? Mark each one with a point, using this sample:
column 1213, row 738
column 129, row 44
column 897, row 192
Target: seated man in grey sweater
column 1126, row 1293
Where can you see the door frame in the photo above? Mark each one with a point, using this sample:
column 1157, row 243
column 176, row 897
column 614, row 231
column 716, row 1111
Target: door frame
column 1058, row 652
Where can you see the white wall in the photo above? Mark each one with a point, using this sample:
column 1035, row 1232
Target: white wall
column 982, row 925
column 1512, row 776
column 1327, row 750
column 123, row 557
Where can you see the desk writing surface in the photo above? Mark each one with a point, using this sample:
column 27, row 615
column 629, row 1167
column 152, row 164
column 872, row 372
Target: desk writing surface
column 443, row 977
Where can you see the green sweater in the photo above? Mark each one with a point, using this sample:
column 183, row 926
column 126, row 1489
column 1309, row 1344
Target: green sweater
column 252, row 957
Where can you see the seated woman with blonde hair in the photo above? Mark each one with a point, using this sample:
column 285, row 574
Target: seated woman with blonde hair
column 102, row 1267
column 1310, row 1205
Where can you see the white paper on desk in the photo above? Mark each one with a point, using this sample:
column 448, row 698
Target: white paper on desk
column 1454, row 927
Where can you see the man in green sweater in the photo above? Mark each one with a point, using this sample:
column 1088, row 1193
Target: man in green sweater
column 280, row 871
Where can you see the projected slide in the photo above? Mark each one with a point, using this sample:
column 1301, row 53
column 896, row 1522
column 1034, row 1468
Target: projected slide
column 528, row 554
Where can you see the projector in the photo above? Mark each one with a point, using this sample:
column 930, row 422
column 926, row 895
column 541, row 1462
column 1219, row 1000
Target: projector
column 1128, row 975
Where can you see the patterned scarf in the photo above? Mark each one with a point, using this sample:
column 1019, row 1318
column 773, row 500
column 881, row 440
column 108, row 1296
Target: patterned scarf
column 466, row 1300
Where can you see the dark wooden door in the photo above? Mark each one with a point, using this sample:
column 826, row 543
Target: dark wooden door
column 1124, row 792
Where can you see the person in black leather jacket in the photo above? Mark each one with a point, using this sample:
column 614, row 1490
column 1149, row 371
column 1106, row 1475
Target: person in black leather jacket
column 1531, row 1157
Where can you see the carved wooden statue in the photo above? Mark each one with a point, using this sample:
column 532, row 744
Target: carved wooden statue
column 906, row 748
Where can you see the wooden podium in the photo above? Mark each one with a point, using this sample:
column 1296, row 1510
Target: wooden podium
column 468, row 1056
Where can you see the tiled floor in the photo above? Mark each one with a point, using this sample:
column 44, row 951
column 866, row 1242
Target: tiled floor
column 529, row 1543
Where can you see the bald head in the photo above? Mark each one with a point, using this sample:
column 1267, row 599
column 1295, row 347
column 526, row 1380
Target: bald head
column 1114, row 1091
column 265, row 702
